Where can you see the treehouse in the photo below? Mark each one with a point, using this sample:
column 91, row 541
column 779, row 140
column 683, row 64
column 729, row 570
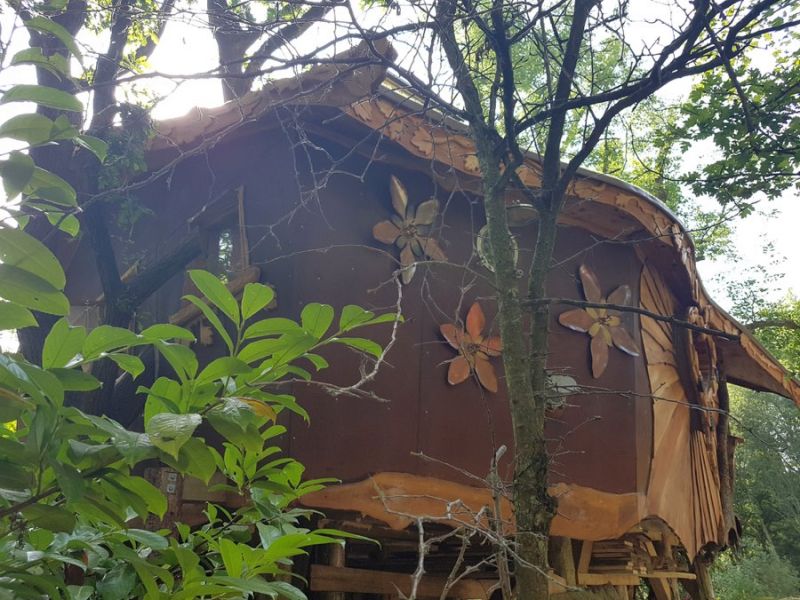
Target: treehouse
column 337, row 187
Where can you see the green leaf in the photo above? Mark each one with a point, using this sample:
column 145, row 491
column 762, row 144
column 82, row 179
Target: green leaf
column 22, row 287
column 46, row 25
column 33, row 129
column 196, row 459
column 62, row 344
column 149, row 539
column 255, row 297
column 42, row 95
column 14, row 476
column 56, row 63
column 75, row 380
column 22, row 250
column 128, row 363
column 13, row 316
column 94, row 145
column 166, row 331
column 169, row 431
column 66, row 222
column 260, row 349
column 361, row 344
column 216, row 293
column 16, row 172
column 51, row 188
column 225, row 366
column 352, row 316
column 180, row 358
column 50, row 517
column 231, row 557
column 318, row 361
column 212, row 318
column 268, row 327
column 106, row 338
column 117, row 582
column 316, row 318
column 11, row 405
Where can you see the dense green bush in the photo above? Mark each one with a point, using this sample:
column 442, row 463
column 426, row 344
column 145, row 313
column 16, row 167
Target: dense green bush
column 755, row 574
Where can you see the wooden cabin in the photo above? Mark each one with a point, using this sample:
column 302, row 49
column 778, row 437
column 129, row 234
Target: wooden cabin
column 294, row 185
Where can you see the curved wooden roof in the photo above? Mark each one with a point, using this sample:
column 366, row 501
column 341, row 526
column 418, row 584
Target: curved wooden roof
column 341, row 98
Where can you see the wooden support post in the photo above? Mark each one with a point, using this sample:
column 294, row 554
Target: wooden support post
column 586, row 557
column 563, row 560
column 661, row 588
column 336, row 558
column 700, row 588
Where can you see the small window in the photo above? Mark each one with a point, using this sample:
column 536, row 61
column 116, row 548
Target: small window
column 223, row 223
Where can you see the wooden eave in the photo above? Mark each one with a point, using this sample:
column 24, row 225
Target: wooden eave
column 441, row 147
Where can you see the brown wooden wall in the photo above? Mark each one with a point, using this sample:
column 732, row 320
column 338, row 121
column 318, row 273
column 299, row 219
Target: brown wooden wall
column 601, row 440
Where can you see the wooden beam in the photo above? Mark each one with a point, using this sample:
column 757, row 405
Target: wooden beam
column 325, row 578
column 564, row 559
column 620, row 578
column 670, row 575
column 585, row 558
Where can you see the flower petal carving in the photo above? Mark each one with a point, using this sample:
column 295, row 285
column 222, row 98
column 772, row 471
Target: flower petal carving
column 485, row 372
column 577, row 320
column 386, row 232
column 399, row 196
column 624, row 341
column 603, row 325
column 599, row 351
column 474, row 350
column 591, row 287
column 409, row 230
column 476, row 321
column 459, row 370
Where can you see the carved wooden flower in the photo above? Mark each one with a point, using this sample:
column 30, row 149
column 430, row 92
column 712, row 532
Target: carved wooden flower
column 409, row 230
column 603, row 325
column 474, row 350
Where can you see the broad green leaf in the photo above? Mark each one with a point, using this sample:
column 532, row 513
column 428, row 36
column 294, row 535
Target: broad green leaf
column 22, row 250
column 212, row 318
column 16, row 172
column 33, row 129
column 195, row 459
column 42, row 95
column 13, row 316
column 56, row 63
column 46, row 25
column 180, row 358
column 62, row 344
column 225, row 366
column 14, row 476
column 231, row 557
column 216, row 293
column 51, row 188
column 316, row 318
column 318, row 361
column 66, row 222
column 94, row 145
column 169, row 431
column 128, row 363
column 362, row 344
column 22, row 287
column 352, row 316
column 11, row 405
column 106, row 338
column 255, row 297
column 268, row 327
column 117, row 582
column 75, row 380
column 149, row 539
column 166, row 331
column 260, row 349
column 50, row 517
